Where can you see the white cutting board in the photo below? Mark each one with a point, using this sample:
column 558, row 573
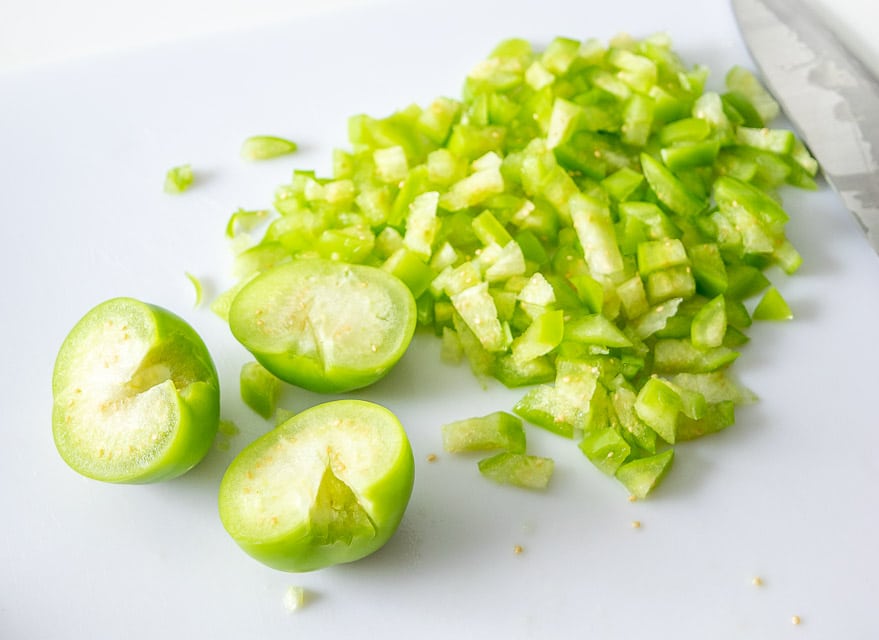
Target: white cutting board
column 787, row 494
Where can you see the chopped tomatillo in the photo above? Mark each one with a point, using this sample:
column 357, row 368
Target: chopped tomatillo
column 266, row 147
column 587, row 220
column 136, row 396
column 260, row 389
column 328, row 486
column 178, row 179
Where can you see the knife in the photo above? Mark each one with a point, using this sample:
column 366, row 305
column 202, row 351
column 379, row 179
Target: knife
column 828, row 94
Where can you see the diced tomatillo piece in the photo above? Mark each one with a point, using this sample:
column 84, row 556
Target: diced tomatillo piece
column 498, row 430
column 260, row 389
column 606, row 449
column 709, row 324
column 136, row 396
column 641, row 476
column 330, row 485
column 323, row 325
column 680, row 356
column 266, row 147
column 658, row 405
column 178, row 179
column 772, row 306
column 669, row 189
column 717, row 417
column 518, row 469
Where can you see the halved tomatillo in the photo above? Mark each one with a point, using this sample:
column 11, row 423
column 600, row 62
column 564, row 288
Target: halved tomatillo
column 325, row 326
column 330, row 485
column 136, row 395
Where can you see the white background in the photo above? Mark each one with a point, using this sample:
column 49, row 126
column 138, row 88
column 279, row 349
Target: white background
column 37, row 31
column 98, row 99
column 40, row 31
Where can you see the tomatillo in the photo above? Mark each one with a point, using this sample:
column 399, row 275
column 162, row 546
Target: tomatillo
column 136, row 395
column 323, row 325
column 328, row 486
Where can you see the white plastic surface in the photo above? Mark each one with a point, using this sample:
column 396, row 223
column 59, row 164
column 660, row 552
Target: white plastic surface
column 787, row 494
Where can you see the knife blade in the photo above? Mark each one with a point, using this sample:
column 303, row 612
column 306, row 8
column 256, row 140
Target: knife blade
column 828, row 94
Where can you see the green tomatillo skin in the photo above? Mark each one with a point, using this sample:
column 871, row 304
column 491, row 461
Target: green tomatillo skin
column 328, row 486
column 323, row 325
column 135, row 394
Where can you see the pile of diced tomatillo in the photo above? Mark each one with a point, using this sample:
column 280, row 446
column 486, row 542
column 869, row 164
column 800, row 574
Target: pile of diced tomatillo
column 586, row 222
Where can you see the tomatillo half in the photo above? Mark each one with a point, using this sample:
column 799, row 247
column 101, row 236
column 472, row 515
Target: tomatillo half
column 328, row 486
column 323, row 325
column 136, row 395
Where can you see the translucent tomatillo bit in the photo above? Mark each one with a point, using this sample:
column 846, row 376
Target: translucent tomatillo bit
column 642, row 475
column 136, row 396
column 328, row 486
column 323, row 325
column 498, row 430
column 518, row 469
column 260, row 389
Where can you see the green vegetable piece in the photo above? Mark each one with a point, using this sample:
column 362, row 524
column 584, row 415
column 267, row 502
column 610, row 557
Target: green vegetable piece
column 740, row 110
column 325, row 326
column 684, row 130
column 178, row 179
column 658, row 405
column 661, row 254
column 637, row 432
column 638, row 115
column 472, row 190
column 596, row 329
column 780, row 141
column 672, row 282
column 744, row 281
column 512, row 373
column 590, row 292
column 451, row 351
column 225, row 432
column 436, row 120
column 709, row 269
column 743, row 81
column 718, row 416
column 641, row 476
column 489, row 230
column 482, row 361
column 245, row 220
column 546, row 407
column 709, row 324
column 542, row 336
column 594, row 227
column 690, row 154
column 260, row 389
column 198, row 287
column 479, row 312
column 606, row 449
column 715, row 387
column 266, row 147
column 328, row 486
column 518, row 469
column 498, row 430
column 681, row 356
column 135, row 394
column 669, row 189
column 772, row 306
column 563, row 121
column 422, row 224
column 410, row 269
